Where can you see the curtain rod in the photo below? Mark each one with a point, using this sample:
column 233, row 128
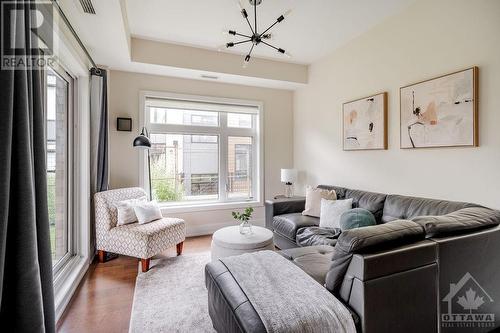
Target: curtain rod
column 65, row 19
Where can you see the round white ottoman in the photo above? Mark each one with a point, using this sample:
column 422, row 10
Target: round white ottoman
column 229, row 242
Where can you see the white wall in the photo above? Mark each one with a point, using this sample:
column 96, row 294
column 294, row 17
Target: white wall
column 430, row 38
column 124, row 89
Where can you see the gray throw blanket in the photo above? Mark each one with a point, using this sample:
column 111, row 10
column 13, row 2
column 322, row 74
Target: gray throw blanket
column 285, row 297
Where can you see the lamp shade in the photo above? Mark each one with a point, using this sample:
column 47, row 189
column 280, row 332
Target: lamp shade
column 142, row 141
column 288, row 175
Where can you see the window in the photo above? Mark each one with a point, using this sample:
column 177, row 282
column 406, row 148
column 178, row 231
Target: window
column 239, row 166
column 184, row 167
column 204, row 150
column 241, row 120
column 165, row 115
column 58, row 104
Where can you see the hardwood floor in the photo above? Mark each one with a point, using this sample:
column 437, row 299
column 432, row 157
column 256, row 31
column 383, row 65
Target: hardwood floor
column 103, row 300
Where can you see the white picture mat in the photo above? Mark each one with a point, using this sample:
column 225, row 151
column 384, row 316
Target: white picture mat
column 357, row 117
column 447, row 112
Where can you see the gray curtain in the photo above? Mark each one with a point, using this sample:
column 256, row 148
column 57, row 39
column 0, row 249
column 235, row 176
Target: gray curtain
column 98, row 136
column 99, row 128
column 26, row 286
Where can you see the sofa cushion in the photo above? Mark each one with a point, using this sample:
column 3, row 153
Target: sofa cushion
column 339, row 191
column 402, row 207
column 314, row 196
column 356, row 218
column 314, row 260
column 288, row 224
column 332, row 210
column 371, row 201
column 311, row 236
column 466, row 219
column 380, row 236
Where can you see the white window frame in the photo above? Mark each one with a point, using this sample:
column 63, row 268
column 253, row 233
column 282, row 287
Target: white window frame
column 69, row 211
column 69, row 275
column 225, row 132
column 69, row 270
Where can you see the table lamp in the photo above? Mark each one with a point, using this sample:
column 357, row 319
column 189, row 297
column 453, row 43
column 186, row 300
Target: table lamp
column 288, row 176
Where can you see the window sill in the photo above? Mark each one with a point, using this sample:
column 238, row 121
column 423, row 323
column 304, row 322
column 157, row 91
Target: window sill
column 206, row 206
column 67, row 281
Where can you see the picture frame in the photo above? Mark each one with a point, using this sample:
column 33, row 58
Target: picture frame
column 364, row 123
column 124, row 124
column 441, row 111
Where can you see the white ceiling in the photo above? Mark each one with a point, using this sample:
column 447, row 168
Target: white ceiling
column 314, row 29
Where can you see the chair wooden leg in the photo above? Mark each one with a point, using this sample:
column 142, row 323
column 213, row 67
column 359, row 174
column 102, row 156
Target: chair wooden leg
column 101, row 255
column 179, row 248
column 145, row 265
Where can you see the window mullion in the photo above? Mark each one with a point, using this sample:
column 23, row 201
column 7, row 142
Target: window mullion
column 180, row 129
column 239, row 131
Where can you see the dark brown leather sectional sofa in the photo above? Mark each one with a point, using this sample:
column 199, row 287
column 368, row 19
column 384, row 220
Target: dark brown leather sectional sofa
column 406, row 274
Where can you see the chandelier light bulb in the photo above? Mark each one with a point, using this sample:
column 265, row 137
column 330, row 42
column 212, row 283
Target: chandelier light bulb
column 228, row 32
column 287, row 13
column 246, row 61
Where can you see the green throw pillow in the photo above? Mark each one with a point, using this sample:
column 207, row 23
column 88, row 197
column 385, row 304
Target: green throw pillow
column 356, row 218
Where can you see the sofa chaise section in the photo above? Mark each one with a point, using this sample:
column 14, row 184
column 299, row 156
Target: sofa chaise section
column 408, row 270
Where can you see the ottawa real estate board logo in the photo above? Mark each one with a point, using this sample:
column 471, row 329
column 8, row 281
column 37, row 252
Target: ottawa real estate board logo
column 467, row 305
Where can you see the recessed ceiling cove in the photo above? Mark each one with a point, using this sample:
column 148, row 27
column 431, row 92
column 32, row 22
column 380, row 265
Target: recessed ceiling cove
column 314, row 28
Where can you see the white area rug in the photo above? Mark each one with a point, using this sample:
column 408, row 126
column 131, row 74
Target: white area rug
column 171, row 296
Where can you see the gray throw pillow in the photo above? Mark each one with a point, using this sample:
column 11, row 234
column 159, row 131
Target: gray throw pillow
column 356, row 218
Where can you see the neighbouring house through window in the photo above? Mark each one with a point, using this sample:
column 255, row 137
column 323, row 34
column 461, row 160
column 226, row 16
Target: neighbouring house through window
column 203, row 151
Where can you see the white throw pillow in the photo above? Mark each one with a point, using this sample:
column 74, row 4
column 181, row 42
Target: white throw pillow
column 331, row 210
column 125, row 208
column 313, row 200
column 147, row 212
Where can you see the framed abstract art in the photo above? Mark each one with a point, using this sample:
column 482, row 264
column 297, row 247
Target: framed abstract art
column 365, row 123
column 441, row 112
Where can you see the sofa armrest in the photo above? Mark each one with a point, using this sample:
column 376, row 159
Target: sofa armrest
column 386, row 280
column 283, row 206
column 369, row 239
column 228, row 306
column 368, row 266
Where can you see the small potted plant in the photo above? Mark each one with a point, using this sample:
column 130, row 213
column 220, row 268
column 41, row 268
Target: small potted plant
column 244, row 220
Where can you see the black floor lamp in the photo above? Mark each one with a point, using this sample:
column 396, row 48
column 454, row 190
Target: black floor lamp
column 143, row 142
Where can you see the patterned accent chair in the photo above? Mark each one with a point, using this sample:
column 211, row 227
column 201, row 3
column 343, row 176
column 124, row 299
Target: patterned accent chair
column 136, row 240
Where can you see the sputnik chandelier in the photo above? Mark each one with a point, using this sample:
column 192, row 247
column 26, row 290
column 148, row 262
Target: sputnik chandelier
column 256, row 37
